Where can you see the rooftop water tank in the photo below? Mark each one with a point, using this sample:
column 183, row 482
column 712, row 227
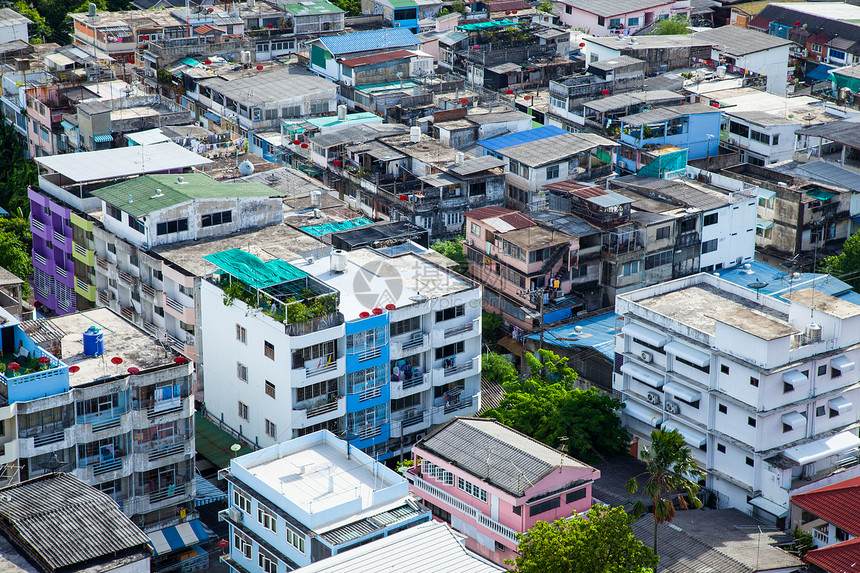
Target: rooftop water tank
column 338, row 261
column 94, row 344
column 246, row 168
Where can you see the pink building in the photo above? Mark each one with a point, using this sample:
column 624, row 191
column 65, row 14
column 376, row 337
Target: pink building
column 490, row 482
column 508, row 253
column 619, row 17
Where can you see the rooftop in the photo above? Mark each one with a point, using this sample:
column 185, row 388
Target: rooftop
column 377, row 58
column 778, row 283
column 272, row 86
column 597, row 332
column 837, row 504
column 536, row 237
column 311, row 8
column 371, row 40
column 737, row 41
column 557, row 148
column 528, row 136
column 517, row 461
column 649, row 42
column 662, row 195
column 500, row 218
column 121, row 338
column 822, row 302
column 615, row 63
column 844, row 132
column 67, row 524
column 607, row 8
column 839, row 557
column 431, row 547
column 661, row 114
column 9, row 17
column 121, row 162
column 148, row 193
column 620, row 101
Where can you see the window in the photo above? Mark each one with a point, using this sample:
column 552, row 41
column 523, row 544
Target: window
column 568, row 9
column 270, row 389
column 630, row 269
column 663, row 232
column 136, row 225
column 544, row 506
column 723, row 409
column 269, row 350
column 709, row 246
column 111, row 248
column 786, row 388
column 472, row 490
column 750, row 462
column 552, row 172
column 836, row 54
column 760, row 137
column 632, row 21
column 600, row 21
column 242, row 544
column 815, row 48
column 267, row 562
column 751, row 421
column 614, row 23
column 241, row 372
column 406, row 326
column 710, row 219
column 220, row 218
column 721, row 448
column 271, row 429
column 243, row 411
column 500, row 547
column 168, row 227
column 739, row 129
column 115, row 213
column 437, row 473
column 476, row 229
column 267, row 519
column 242, row 500
column 753, row 381
column 658, row 260
column 159, row 310
column 315, row 390
column 450, row 350
column 822, row 370
column 450, row 313
column 724, row 368
column 241, row 334
column 319, row 107
column 835, row 372
column 575, row 495
column 834, row 412
column 157, row 275
column 297, row 540
column 786, row 428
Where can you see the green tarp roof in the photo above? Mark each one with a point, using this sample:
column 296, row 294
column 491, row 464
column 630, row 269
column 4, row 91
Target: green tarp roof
column 213, row 443
column 820, row 195
column 326, row 228
column 139, row 196
column 252, row 271
column 487, row 25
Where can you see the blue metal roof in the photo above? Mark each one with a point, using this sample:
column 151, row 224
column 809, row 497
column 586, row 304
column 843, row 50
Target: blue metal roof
column 819, row 73
column 778, row 283
column 521, row 137
column 598, row 332
column 370, row 40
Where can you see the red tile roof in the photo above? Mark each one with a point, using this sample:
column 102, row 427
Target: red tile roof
column 759, row 23
column 518, row 221
column 513, row 218
column 578, row 189
column 840, row 558
column 376, row 58
column 502, row 5
column 838, row 504
column 206, row 28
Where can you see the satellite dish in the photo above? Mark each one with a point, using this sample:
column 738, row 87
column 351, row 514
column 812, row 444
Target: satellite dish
column 757, row 285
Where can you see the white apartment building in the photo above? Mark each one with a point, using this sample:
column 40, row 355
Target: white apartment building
column 376, row 346
column 763, row 390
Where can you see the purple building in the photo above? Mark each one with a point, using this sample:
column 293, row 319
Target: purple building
column 53, row 263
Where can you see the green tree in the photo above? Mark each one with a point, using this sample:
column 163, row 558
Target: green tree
column 15, row 244
column 491, row 327
column 498, row 369
column 547, row 406
column 39, row 29
column 603, row 542
column 672, row 26
column 846, row 265
column 545, row 6
column 670, row 471
column 16, row 171
column 351, row 7
column 452, row 249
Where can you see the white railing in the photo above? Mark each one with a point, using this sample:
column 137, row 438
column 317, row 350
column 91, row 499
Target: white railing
column 80, row 250
column 174, row 304
column 463, row 328
column 370, row 393
column 330, row 367
column 40, row 259
column 369, row 432
column 62, row 272
column 58, row 237
column 460, row 367
column 39, row 225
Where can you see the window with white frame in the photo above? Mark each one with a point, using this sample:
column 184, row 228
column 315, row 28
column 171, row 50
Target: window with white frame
column 629, row 269
column 437, row 473
column 267, row 519
column 242, row 543
column 271, row 429
column 296, row 539
column 241, row 334
column 242, row 500
column 268, row 563
column 241, row 372
column 472, row 489
column 243, row 411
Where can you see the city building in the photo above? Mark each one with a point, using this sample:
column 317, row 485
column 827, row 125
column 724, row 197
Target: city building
column 63, row 243
column 58, row 523
column 375, row 348
column 762, row 389
column 286, row 28
column 614, row 17
column 115, row 413
column 828, row 515
column 490, row 482
column 303, row 500
column 660, row 53
column 326, row 52
column 13, row 26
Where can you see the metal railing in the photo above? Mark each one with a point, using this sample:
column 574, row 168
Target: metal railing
column 452, row 370
column 39, row 225
column 455, row 330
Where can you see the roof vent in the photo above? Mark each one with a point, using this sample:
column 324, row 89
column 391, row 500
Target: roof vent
column 180, row 179
column 158, row 193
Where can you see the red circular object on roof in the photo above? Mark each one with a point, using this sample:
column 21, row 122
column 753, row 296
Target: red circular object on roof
column 527, row 97
column 404, row 198
column 513, row 11
column 13, row 366
column 207, row 62
column 44, row 360
column 180, row 360
column 223, row 544
column 364, row 314
column 390, row 306
column 133, row 370
column 73, row 369
column 116, row 360
column 509, row 92
column 296, row 141
column 476, row 47
column 210, row 9
column 582, row 44
column 507, row 12
column 377, row 311
column 336, row 163
column 270, row 26
column 797, row 23
column 259, row 68
column 464, row 101
column 304, row 145
column 605, row 92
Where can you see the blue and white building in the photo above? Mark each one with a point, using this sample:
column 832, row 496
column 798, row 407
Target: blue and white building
column 325, row 52
column 301, row 501
column 384, row 345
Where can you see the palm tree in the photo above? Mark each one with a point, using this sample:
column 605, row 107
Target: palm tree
column 670, row 470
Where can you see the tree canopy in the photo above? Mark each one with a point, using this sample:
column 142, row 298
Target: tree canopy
column 16, row 171
column 846, row 265
column 452, row 249
column 603, row 542
column 672, row 26
column 15, row 246
column 547, row 406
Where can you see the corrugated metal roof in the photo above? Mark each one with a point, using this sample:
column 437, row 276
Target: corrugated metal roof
column 377, row 58
column 486, row 212
column 521, row 137
column 517, row 461
column 608, row 8
column 667, row 113
column 556, row 148
column 67, row 523
column 738, row 41
column 370, row 40
column 570, row 224
column 366, row 526
column 311, row 8
column 840, row 557
column 598, row 332
column 478, row 164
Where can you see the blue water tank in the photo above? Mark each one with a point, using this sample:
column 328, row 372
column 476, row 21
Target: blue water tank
column 94, row 344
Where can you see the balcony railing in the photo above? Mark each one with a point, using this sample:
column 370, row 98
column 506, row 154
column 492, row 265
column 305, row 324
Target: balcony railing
column 40, row 259
column 125, row 277
column 58, row 237
column 463, row 328
column 148, row 290
column 38, row 225
column 62, row 272
column 102, row 263
column 104, row 420
column 80, row 250
column 175, row 305
column 368, row 432
column 459, row 404
column 416, row 380
column 164, row 447
column 452, row 370
column 320, row 410
column 101, row 465
column 370, row 394
column 49, row 438
column 370, row 353
column 324, row 369
column 417, row 339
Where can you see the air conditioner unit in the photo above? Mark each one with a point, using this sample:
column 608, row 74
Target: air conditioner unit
column 672, row 407
column 646, row 356
column 235, row 515
column 654, row 398
column 419, row 436
column 691, row 175
column 469, row 242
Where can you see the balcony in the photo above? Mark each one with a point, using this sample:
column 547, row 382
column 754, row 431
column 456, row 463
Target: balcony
column 458, row 505
column 125, row 277
column 40, row 259
column 321, row 411
column 409, row 418
column 408, row 344
column 101, row 421
column 61, row 272
column 38, row 225
column 59, row 238
column 317, row 371
column 413, row 385
column 102, row 263
column 147, row 291
column 98, row 465
column 460, row 369
column 456, row 333
column 158, row 449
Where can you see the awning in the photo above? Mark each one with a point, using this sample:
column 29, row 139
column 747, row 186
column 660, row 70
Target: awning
column 652, row 337
column 769, row 506
column 642, row 374
column 820, row 195
column 212, row 116
column 682, row 392
column 794, row 419
column 842, row 363
column 820, row 449
column 642, row 413
column 105, row 138
column 179, row 536
column 819, row 73
column 794, row 377
column 694, row 438
column 839, row 404
column 763, row 223
column 689, row 354
column 206, row 492
column 765, row 193
column 68, row 125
